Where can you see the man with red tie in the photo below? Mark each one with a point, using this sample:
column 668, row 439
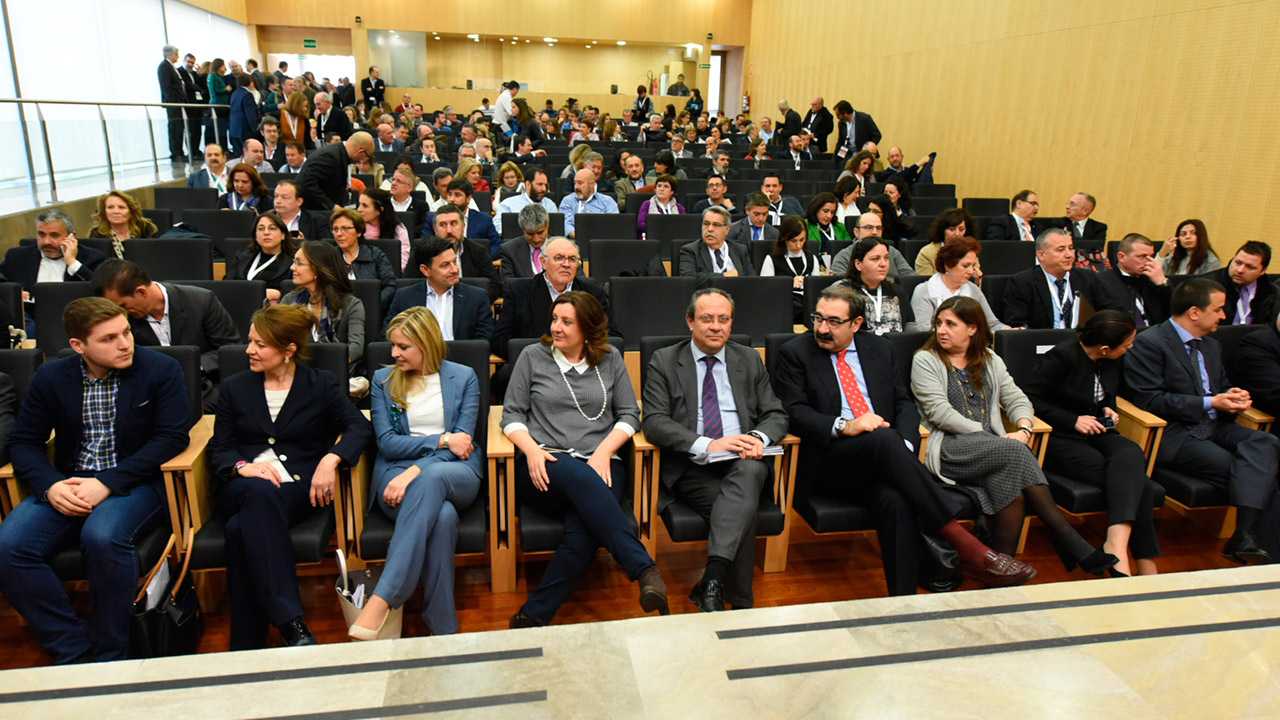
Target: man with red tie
column 860, row 433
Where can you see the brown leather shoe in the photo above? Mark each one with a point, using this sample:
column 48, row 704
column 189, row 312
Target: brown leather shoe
column 653, row 592
column 999, row 570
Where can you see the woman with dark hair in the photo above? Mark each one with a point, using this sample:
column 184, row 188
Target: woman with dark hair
column 859, row 168
column 266, row 257
column 895, row 228
column 364, row 261
column 617, row 168
column 569, row 410
column 790, row 256
column 669, row 117
column 1074, row 390
column 869, row 274
column 820, row 221
column 956, row 265
column 1188, row 251
column 961, row 388
column 900, row 195
column 694, row 104
column 847, row 192
column 527, row 120
column 718, row 134
column 281, row 431
column 381, row 221
column 425, row 412
column 951, row 224
column 664, row 163
column 663, row 202
column 247, row 191
column 643, row 104
column 758, row 150
column 120, row 218
column 220, row 94
column 321, row 285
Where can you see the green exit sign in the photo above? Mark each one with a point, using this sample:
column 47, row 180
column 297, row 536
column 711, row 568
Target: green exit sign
column 703, row 66
column 310, row 43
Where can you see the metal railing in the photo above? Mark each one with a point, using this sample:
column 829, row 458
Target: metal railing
column 106, row 135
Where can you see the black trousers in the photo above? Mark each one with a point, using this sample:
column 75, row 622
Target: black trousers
column 195, row 126
column 1234, row 457
column 1115, row 464
column 877, row 470
column 175, row 133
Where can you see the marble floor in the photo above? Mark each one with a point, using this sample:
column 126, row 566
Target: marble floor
column 1186, row 645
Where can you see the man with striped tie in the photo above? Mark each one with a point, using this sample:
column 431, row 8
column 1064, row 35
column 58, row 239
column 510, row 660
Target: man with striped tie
column 709, row 405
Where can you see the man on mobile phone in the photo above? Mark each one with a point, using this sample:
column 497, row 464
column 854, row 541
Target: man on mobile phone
column 56, row 257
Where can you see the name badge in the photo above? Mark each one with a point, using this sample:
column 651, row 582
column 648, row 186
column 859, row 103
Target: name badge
column 844, row 150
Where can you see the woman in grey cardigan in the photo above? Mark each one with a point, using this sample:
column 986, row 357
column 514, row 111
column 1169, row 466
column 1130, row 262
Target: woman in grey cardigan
column 957, row 263
column 320, row 282
column 961, row 387
column 569, row 409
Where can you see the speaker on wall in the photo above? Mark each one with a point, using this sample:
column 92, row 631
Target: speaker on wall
column 613, row 89
column 469, row 87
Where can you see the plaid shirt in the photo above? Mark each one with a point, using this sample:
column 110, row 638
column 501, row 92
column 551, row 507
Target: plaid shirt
column 98, row 444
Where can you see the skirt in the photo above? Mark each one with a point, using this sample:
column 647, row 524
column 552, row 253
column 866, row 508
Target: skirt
column 997, row 469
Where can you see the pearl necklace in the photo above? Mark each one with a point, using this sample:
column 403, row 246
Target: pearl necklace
column 604, row 404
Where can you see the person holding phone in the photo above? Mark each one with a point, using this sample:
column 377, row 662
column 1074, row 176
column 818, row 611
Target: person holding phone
column 56, row 257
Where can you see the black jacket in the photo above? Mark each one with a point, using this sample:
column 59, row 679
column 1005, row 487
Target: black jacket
column 1258, row 368
column 323, row 178
column 1122, row 291
column 22, row 265
column 1027, row 301
column 1261, row 307
column 820, row 124
column 526, row 310
column 195, row 318
column 336, row 122
column 864, row 131
column 1062, row 389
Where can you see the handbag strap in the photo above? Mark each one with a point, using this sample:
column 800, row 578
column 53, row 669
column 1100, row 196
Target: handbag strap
column 164, row 558
column 186, row 564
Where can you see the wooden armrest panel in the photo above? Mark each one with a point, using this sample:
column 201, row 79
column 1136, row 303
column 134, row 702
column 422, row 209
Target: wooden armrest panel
column 1129, row 411
column 500, row 446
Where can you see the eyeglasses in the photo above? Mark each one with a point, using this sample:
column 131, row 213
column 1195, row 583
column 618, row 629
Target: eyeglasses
column 709, row 224
column 833, row 322
column 566, row 259
column 720, row 319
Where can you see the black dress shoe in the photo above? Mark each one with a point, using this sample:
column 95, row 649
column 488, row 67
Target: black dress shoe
column 520, row 620
column 1243, row 547
column 999, row 570
column 653, row 592
column 708, row 595
column 295, row 633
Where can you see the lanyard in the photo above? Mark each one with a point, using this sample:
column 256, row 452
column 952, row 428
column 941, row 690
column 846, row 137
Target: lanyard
column 255, row 268
column 878, row 299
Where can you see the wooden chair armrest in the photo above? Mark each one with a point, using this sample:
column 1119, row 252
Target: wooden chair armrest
column 499, row 446
column 200, row 435
column 187, row 482
column 642, row 443
column 1144, row 428
column 6, row 475
column 1133, row 413
column 1255, row 418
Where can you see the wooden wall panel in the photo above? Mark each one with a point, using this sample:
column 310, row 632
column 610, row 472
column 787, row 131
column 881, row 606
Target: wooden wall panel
column 288, row 40
column 232, row 9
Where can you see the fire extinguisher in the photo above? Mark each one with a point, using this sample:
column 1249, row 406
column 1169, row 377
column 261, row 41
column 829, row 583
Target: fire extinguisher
column 746, row 103
column 653, row 87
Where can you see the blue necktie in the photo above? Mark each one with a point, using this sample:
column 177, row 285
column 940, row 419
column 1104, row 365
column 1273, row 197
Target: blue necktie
column 711, row 425
column 720, row 259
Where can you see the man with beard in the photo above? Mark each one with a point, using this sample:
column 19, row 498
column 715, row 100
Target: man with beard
column 584, row 199
column 535, row 193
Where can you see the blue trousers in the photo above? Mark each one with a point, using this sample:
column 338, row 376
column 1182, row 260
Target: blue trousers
column 34, row 532
column 426, row 536
column 593, row 516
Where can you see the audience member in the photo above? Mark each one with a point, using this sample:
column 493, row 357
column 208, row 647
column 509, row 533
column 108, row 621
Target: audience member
column 716, row 197
column 479, row 225
column 755, row 226
column 219, row 94
column 1250, row 298
column 1258, row 367
column 324, row 176
column 584, row 199
column 508, row 183
column 267, row 257
column 373, row 89
column 663, row 202
column 1019, row 225
column 173, row 90
column 1175, row 370
column 364, row 261
column 321, row 284
column 120, row 218
column 56, row 256
column 955, row 267
column 951, row 224
column 301, row 224
column 896, row 188
column 1085, row 231
column 1056, row 294
column 328, row 120
column 295, row 154
column 779, row 205
column 381, row 221
column 461, row 310
column 632, row 180
column 243, row 115
column 821, row 225
column 868, row 273
column 473, row 171
column 856, row 130
column 101, row 491
column 450, row 223
column 911, row 174
column 295, row 120
column 1137, row 284
column 868, row 226
column 713, row 256
column 402, row 186
column 860, row 168
column 819, row 123
column 272, row 148
column 535, row 193
column 254, row 156
column 720, row 166
column 664, row 163
column 789, row 124
column 214, row 173
column 247, row 191
column 797, row 153
column 790, row 256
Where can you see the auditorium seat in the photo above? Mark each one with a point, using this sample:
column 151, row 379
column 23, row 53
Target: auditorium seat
column 931, row 206
column 763, row 304
column 162, row 217
column 11, row 312
column 228, row 247
column 760, row 250
column 993, row 289
column 1007, row 258
column 173, row 259
column 666, row 228
column 987, row 207
column 813, row 287
column 511, row 225
column 910, row 249
column 179, row 199
column 635, row 200
column 933, row 190
column 221, row 223
column 610, row 258
column 391, row 248
column 50, row 299
column 609, row 226
column 240, row 298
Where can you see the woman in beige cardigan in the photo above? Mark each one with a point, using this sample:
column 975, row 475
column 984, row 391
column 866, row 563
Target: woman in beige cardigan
column 961, row 387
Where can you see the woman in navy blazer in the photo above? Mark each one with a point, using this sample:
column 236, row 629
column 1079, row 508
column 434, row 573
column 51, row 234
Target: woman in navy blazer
column 281, row 431
column 425, row 412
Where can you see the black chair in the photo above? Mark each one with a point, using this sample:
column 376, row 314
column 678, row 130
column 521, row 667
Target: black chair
column 240, row 298
column 173, row 258
column 906, row 287
column 409, row 221
column 1007, row 258
column 386, row 158
column 162, row 217
column 511, row 225
column 221, row 223
column 666, row 228
column 102, row 245
column 613, row 226
column 50, row 300
column 635, row 200
column 1113, row 247
column 986, row 207
column 271, row 179
column 21, row 366
column 650, row 306
column 372, row 528
column 911, row 248
column 188, row 357
column 483, row 200
column 931, row 206
column 391, row 248
column 923, row 190
column 675, row 253
column 993, row 288
column 813, row 287
column 763, row 305
column 228, row 247
column 180, row 199
column 610, row 258
column 366, row 178
column 11, row 312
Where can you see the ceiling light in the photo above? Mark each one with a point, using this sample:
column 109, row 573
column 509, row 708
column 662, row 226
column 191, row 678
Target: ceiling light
column 549, row 40
column 588, row 47
column 513, row 42
column 526, row 41
column 595, row 42
column 515, row 37
column 473, row 36
column 622, row 42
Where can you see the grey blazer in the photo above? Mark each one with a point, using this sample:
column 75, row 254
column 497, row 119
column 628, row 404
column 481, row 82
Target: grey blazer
column 672, row 399
column 347, row 328
column 696, row 261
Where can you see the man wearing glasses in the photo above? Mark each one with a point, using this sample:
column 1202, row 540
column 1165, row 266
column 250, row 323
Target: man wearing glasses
column 716, row 188
column 714, row 256
column 871, row 225
column 861, row 433
column 1021, row 223
column 526, row 302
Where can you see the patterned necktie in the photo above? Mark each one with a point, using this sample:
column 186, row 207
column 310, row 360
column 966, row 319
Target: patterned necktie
column 1064, row 302
column 711, row 425
column 1243, row 307
column 1203, row 429
column 849, row 384
column 537, row 260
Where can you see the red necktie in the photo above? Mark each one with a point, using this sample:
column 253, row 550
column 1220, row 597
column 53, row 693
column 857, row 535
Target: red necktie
column 849, row 384
column 537, row 260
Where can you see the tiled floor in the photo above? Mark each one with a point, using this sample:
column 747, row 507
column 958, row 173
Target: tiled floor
column 1186, row 645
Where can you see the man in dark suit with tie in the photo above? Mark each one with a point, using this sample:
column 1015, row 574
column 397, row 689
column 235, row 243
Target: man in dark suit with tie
column 306, row 224
column 1250, row 298
column 855, row 129
column 473, row 255
column 462, row 310
column 1137, row 284
column 522, row 256
column 1021, row 225
column 172, row 91
column 819, row 123
column 755, row 226
column 1055, row 294
column 118, row 412
column 714, row 255
column 1085, row 231
column 330, row 119
column 163, row 315
column 1176, row 372
column 788, row 126
column 197, row 92
column 861, row 433
column 713, row 396
column 479, row 225
column 373, row 89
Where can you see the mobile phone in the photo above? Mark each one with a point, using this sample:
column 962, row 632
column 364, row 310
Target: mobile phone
column 1107, row 422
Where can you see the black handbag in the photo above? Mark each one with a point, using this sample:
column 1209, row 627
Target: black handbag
column 939, row 568
column 174, row 625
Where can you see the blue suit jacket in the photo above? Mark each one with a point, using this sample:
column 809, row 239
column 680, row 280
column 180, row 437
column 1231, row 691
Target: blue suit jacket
column 472, row 315
column 244, row 114
column 22, row 265
column 480, row 227
column 397, row 449
column 151, row 423
column 306, row 429
column 199, row 179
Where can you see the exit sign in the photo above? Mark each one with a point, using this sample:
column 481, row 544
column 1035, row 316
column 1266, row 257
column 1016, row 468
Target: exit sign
column 311, row 43
column 703, row 66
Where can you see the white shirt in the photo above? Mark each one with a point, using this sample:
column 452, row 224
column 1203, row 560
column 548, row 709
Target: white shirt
column 161, row 326
column 552, row 288
column 727, row 262
column 442, row 307
column 502, row 113
column 425, row 411
column 217, row 181
column 1057, row 306
column 292, row 224
column 55, row 270
column 401, row 207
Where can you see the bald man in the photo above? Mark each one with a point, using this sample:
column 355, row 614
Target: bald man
column 323, row 178
column 819, row 123
column 584, row 199
column 254, row 155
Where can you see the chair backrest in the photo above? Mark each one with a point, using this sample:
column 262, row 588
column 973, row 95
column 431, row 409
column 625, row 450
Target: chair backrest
column 240, row 298
column 11, row 304
column 988, row 207
column 410, row 222
column 1007, row 258
column 221, row 223
column 472, row 353
column 228, row 247
column 921, row 190
column 21, row 366
column 609, row 258
column 676, row 244
column 1229, row 337
column 653, row 343
column 614, row 226
column 484, row 200
column 911, row 248
column 162, row 217
column 649, row 306
column 906, row 287
column 772, row 342
column 763, row 305
column 1021, row 349
column 180, row 199
column 905, row 345
column 511, row 225
column 173, row 258
column 325, row 356
column 931, row 206
column 370, row 293
column 993, row 289
column 391, row 248
column 50, row 300
column 813, row 287
column 635, row 200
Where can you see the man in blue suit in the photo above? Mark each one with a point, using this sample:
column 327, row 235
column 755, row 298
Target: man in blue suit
column 117, row 414
column 244, row 116
column 462, row 310
column 214, row 173
column 479, row 224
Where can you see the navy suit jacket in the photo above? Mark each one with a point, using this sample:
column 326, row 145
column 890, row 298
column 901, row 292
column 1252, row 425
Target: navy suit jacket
column 200, row 179
column 314, row 414
column 472, row 315
column 22, row 265
column 244, row 114
column 152, row 413
column 526, row 310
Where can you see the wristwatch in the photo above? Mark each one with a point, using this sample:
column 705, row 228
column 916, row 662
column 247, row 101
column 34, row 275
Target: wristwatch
column 841, row 423
column 1026, row 429
column 444, row 440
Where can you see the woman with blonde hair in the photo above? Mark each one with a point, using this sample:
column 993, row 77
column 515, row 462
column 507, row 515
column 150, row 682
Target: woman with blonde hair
column 425, row 413
column 509, row 183
column 473, row 171
column 120, row 218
